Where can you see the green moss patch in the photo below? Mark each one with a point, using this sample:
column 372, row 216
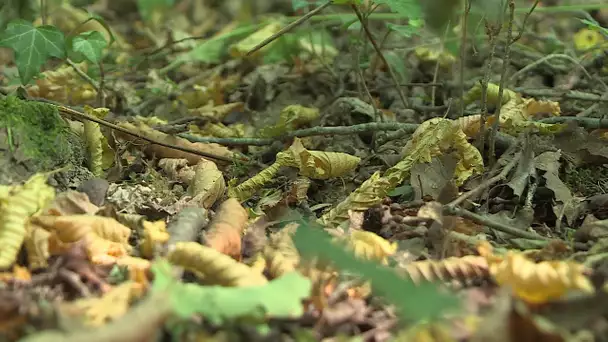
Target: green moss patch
column 35, row 133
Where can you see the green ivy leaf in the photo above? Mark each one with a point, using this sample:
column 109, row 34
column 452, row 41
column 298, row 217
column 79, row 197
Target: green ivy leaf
column 403, row 30
column 347, row 2
column 408, row 8
column 90, row 44
column 33, row 46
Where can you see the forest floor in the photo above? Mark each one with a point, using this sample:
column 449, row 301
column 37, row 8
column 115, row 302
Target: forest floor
column 304, row 171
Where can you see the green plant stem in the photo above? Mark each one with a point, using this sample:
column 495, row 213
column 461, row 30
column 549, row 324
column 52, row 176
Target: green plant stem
column 381, row 55
column 501, row 83
column 308, row 132
column 83, row 75
column 397, row 16
column 290, row 27
column 484, row 91
column 463, row 54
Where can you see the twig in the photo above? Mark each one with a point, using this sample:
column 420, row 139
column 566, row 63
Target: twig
column 83, row 75
column 501, row 84
column 493, row 34
column 456, row 211
column 289, row 27
column 564, row 94
column 335, row 130
column 374, row 63
column 381, row 55
column 545, row 59
column 77, row 114
column 436, row 71
column 101, row 98
column 589, row 123
column 487, row 183
column 411, row 84
column 463, row 53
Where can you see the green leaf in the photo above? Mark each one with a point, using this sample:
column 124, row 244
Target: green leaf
column 280, row 298
column 397, row 63
column 33, row 46
column 403, row 30
column 90, row 44
column 347, row 2
column 148, row 7
column 595, row 25
column 408, row 8
column 415, row 302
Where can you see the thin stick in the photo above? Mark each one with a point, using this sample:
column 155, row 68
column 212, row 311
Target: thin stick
column 289, row 27
column 436, row 72
column 554, row 56
column 449, row 210
column 463, row 53
column 101, row 97
column 381, row 55
column 83, row 75
column 487, row 183
column 77, row 114
column 501, row 84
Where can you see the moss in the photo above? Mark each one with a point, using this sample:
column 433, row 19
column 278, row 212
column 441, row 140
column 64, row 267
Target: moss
column 36, row 132
column 587, row 180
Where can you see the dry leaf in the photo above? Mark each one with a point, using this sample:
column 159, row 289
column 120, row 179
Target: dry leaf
column 226, row 229
column 214, row 267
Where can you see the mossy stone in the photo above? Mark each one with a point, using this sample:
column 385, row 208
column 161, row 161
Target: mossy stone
column 33, row 138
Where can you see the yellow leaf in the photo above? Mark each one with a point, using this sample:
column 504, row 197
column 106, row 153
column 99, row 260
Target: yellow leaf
column 16, row 206
column 292, row 117
column 319, row 164
column 536, row 282
column 154, row 233
column 240, row 48
column 586, row 39
column 113, row 305
column 370, row 246
column 213, row 266
column 208, row 183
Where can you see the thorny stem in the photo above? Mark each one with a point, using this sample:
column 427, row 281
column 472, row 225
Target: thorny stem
column 463, row 53
column 501, row 84
column 381, row 55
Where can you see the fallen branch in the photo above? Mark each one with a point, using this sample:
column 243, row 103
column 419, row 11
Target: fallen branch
column 83, row 116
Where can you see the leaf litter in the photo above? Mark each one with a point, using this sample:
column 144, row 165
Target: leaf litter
column 301, row 171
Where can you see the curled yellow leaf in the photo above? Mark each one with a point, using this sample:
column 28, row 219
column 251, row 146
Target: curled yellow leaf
column 208, row 183
column 16, row 206
column 319, row 164
column 370, row 246
column 536, row 282
column 213, row 266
